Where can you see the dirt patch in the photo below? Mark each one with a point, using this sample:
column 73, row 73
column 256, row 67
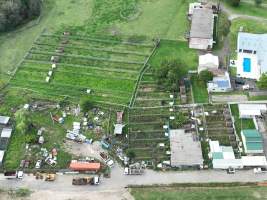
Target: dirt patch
column 90, row 195
column 85, row 150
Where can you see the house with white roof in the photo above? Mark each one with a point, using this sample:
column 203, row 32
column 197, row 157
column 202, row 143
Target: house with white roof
column 252, row 55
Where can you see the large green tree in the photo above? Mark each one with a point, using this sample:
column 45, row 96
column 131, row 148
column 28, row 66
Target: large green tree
column 234, row 3
column 206, row 75
column 170, row 73
column 15, row 12
column 262, row 83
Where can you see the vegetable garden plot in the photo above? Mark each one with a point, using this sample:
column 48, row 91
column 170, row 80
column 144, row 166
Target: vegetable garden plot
column 109, row 68
column 219, row 125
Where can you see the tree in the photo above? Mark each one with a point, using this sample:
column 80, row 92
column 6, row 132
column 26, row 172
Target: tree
column 235, row 3
column 86, row 104
column 16, row 12
column 130, row 154
column 205, row 76
column 170, row 73
column 258, row 2
column 262, row 83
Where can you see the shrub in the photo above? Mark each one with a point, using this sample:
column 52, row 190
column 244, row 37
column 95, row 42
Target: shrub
column 262, row 83
column 206, row 76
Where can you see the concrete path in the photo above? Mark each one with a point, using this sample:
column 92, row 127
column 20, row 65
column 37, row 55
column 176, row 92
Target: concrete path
column 114, row 188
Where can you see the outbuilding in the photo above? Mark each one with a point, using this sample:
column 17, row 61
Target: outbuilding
column 4, row 120
column 247, row 111
column 220, row 84
column 201, row 33
column 84, row 166
column 252, row 141
column 208, row 62
column 2, row 153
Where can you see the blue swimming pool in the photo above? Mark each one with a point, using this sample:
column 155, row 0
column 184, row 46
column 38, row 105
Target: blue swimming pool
column 246, row 65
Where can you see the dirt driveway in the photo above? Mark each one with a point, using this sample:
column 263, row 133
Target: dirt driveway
column 85, row 150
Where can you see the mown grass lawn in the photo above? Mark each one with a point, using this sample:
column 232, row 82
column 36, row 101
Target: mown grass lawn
column 172, row 50
column 200, row 193
column 248, row 9
column 199, row 90
column 162, row 18
column 258, row 98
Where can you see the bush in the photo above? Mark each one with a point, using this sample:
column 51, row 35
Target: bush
column 206, row 76
column 130, row 154
column 23, row 192
column 15, row 12
column 258, row 2
column 170, row 73
column 262, row 83
column 235, row 3
column 86, row 104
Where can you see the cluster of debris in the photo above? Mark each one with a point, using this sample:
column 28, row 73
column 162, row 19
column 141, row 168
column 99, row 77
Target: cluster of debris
column 135, row 169
column 75, row 134
column 49, row 158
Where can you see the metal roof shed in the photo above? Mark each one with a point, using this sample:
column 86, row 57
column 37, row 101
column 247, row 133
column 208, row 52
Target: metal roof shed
column 118, row 129
column 251, row 110
column 252, row 140
column 254, row 161
column 2, row 153
column 227, row 163
column 6, row 133
column 4, row 120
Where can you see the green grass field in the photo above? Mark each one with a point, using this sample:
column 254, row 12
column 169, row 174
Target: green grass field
column 109, row 67
column 171, row 50
column 248, row 9
column 14, row 45
column 201, row 193
column 160, row 18
column 199, row 90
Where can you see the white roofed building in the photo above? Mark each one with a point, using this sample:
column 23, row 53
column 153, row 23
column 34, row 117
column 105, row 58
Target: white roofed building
column 4, row 120
column 251, row 110
column 2, row 153
column 252, row 55
column 208, row 62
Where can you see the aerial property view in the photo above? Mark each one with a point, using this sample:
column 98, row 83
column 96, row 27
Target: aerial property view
column 133, row 99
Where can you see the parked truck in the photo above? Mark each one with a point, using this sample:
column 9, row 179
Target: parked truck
column 13, row 174
column 86, row 181
column 132, row 171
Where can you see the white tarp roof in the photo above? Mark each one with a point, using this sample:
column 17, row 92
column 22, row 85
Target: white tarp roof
column 118, row 129
column 251, row 109
column 214, row 146
column 2, row 153
column 209, row 60
column 6, row 133
column 227, row 163
column 254, row 161
column 4, row 119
